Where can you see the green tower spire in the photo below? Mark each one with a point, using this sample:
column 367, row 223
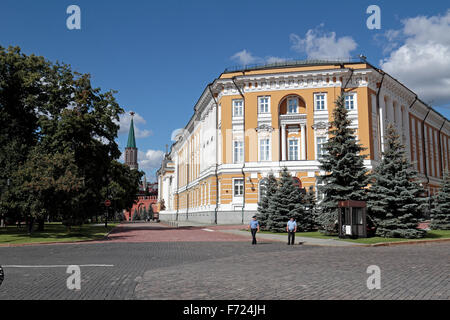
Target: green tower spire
column 131, row 139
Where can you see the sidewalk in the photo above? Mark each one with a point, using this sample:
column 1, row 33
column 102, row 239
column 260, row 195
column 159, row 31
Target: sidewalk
column 304, row 240
column 237, row 230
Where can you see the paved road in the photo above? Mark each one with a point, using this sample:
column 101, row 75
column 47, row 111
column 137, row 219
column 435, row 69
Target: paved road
column 225, row 270
column 152, row 232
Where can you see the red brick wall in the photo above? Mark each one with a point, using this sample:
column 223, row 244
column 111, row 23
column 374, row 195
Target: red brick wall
column 143, row 202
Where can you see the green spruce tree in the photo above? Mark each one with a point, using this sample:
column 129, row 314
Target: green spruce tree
column 286, row 203
column 345, row 176
column 135, row 215
column 440, row 215
column 269, row 186
column 394, row 199
column 309, row 219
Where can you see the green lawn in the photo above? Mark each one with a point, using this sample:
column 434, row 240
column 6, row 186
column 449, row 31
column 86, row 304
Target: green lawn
column 54, row 232
column 434, row 234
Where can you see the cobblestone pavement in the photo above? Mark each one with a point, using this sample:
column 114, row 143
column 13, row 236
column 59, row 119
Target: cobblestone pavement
column 152, row 232
column 225, row 270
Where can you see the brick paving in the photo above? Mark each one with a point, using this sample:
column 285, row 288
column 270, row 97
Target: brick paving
column 151, row 232
column 154, row 261
column 226, row 270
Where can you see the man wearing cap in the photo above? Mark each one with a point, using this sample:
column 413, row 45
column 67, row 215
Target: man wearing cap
column 254, row 227
column 291, row 228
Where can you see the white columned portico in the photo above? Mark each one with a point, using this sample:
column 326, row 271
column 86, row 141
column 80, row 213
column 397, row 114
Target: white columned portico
column 283, row 142
column 303, row 146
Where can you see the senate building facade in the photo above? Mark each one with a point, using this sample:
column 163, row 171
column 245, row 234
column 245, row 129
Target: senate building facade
column 251, row 122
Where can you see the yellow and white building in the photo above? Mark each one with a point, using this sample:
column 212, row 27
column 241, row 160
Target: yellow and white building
column 251, row 122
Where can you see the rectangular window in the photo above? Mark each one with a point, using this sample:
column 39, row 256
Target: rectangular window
column 292, row 105
column 238, row 108
column 264, row 104
column 319, row 101
column 320, row 147
column 238, row 151
column 264, row 149
column 293, row 149
column 350, row 102
column 238, row 187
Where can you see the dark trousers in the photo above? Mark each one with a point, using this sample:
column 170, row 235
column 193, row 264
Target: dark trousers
column 254, row 235
column 291, row 237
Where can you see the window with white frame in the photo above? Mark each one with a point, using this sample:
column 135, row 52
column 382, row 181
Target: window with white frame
column 238, row 151
column 320, row 141
column 350, row 101
column 264, row 104
column 238, row 108
column 319, row 101
column 238, row 187
column 319, row 192
column 262, row 188
column 293, row 149
column 264, row 149
column 292, row 105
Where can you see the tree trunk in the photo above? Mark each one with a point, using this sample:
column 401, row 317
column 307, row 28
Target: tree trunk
column 30, row 225
column 41, row 225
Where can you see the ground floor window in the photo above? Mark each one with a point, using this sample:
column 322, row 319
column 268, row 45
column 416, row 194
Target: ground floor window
column 238, row 187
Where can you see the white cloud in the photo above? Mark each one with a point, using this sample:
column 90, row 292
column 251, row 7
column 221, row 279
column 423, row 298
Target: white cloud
column 389, row 40
column 318, row 44
column 422, row 62
column 150, row 160
column 246, row 58
column 275, row 59
column 124, row 123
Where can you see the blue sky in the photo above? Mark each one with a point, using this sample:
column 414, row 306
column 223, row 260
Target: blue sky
column 160, row 55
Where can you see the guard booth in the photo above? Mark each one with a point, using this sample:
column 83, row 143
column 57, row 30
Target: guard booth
column 352, row 219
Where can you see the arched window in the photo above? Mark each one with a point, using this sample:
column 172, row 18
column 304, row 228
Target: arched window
column 297, row 182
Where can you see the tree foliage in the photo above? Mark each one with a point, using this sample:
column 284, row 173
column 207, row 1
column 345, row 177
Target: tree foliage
column 286, row 203
column 309, row 221
column 440, row 214
column 345, row 176
column 57, row 142
column 395, row 201
column 269, row 187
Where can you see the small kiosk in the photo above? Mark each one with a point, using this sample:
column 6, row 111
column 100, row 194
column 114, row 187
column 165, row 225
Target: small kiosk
column 352, row 219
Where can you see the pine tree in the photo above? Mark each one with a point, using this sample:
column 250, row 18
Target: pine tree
column 310, row 218
column 286, row 203
column 440, row 215
column 270, row 186
column 135, row 215
column 394, row 201
column 345, row 176
column 145, row 215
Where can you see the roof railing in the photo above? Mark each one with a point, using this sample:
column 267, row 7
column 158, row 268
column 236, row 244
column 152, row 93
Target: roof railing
column 294, row 63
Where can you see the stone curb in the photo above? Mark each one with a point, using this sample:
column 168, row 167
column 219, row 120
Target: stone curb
column 388, row 244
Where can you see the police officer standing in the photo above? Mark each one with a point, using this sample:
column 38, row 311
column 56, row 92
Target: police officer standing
column 254, row 227
column 291, row 228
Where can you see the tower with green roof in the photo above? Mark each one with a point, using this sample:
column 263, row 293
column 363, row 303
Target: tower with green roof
column 131, row 151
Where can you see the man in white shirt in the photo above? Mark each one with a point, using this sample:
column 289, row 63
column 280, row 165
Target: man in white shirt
column 291, row 228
